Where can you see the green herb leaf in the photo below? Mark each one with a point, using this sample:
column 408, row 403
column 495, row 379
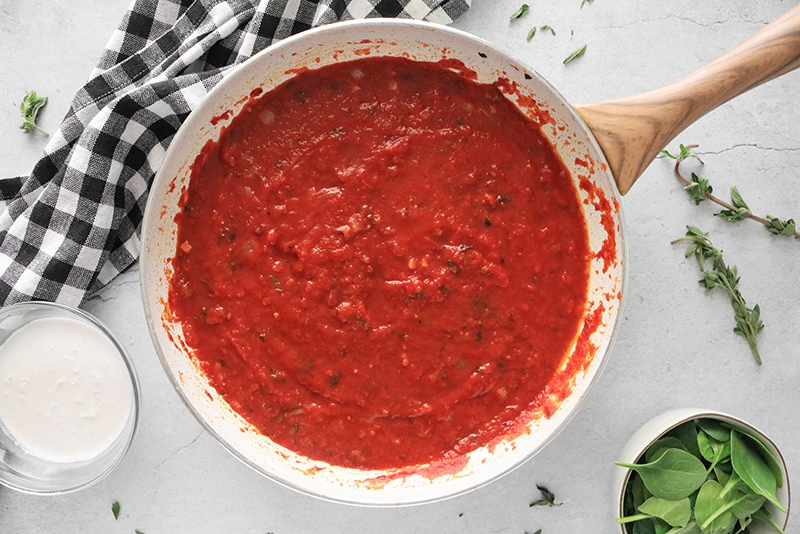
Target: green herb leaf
column 548, row 499
column 779, row 227
column 115, row 509
column 548, row 28
column 30, row 107
column 674, row 475
column 748, row 320
column 586, row 2
column 699, row 188
column 740, row 211
column 524, row 8
column 576, row 54
column 531, row 33
column 684, row 153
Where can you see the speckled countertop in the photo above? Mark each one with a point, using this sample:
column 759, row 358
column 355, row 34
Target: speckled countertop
column 674, row 348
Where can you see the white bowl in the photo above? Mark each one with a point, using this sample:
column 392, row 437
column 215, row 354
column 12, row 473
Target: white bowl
column 662, row 424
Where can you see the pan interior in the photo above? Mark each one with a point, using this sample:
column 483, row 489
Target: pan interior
column 345, row 42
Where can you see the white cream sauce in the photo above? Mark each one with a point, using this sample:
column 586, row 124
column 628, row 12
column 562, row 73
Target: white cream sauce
column 65, row 391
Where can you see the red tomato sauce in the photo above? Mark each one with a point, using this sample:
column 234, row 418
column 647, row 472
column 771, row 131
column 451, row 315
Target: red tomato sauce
column 381, row 264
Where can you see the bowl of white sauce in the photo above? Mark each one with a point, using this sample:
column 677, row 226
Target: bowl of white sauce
column 69, row 399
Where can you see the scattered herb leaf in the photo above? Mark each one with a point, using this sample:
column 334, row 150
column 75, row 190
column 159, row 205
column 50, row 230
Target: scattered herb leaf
column 30, row 107
column 576, row 54
column 548, row 499
column 548, row 28
column 275, row 281
column 531, row 33
column 586, row 2
column 524, row 8
column 115, row 509
column 748, row 321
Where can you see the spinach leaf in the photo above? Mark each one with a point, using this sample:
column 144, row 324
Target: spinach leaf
column 748, row 505
column 712, row 511
column 674, row 513
column 752, row 469
column 667, row 442
column 713, row 450
column 763, row 515
column 715, row 429
column 687, row 433
column 691, row 528
column 674, row 475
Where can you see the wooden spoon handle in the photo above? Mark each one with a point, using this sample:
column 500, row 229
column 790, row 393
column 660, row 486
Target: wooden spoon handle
column 633, row 130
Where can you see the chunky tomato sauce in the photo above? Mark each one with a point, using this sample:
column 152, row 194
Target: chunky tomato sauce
column 381, row 264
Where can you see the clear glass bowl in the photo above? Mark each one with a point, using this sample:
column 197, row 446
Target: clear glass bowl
column 22, row 470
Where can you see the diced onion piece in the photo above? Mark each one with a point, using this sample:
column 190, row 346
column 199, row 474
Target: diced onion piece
column 267, row 116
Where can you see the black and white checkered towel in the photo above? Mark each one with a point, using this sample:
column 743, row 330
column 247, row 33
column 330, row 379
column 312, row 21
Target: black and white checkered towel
column 74, row 224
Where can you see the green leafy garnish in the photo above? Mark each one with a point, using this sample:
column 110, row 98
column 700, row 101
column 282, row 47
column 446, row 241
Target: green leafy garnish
column 30, row 107
column 548, row 28
column 576, row 54
column 748, row 321
column 586, row 2
column 531, row 33
column 684, row 153
column 524, row 8
column 548, row 498
column 699, row 189
column 721, row 487
column 115, row 509
column 779, row 227
column 740, row 209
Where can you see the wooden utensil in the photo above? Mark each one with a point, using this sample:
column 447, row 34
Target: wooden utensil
column 633, row 130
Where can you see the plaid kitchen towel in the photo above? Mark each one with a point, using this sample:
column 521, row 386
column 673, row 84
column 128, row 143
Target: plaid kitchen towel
column 74, row 224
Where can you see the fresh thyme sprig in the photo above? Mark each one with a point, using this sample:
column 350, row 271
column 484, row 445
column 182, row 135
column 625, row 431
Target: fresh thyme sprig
column 30, row 107
column 748, row 320
column 699, row 189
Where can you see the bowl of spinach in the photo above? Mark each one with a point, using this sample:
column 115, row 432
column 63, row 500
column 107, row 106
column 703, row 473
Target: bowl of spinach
column 701, row 472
